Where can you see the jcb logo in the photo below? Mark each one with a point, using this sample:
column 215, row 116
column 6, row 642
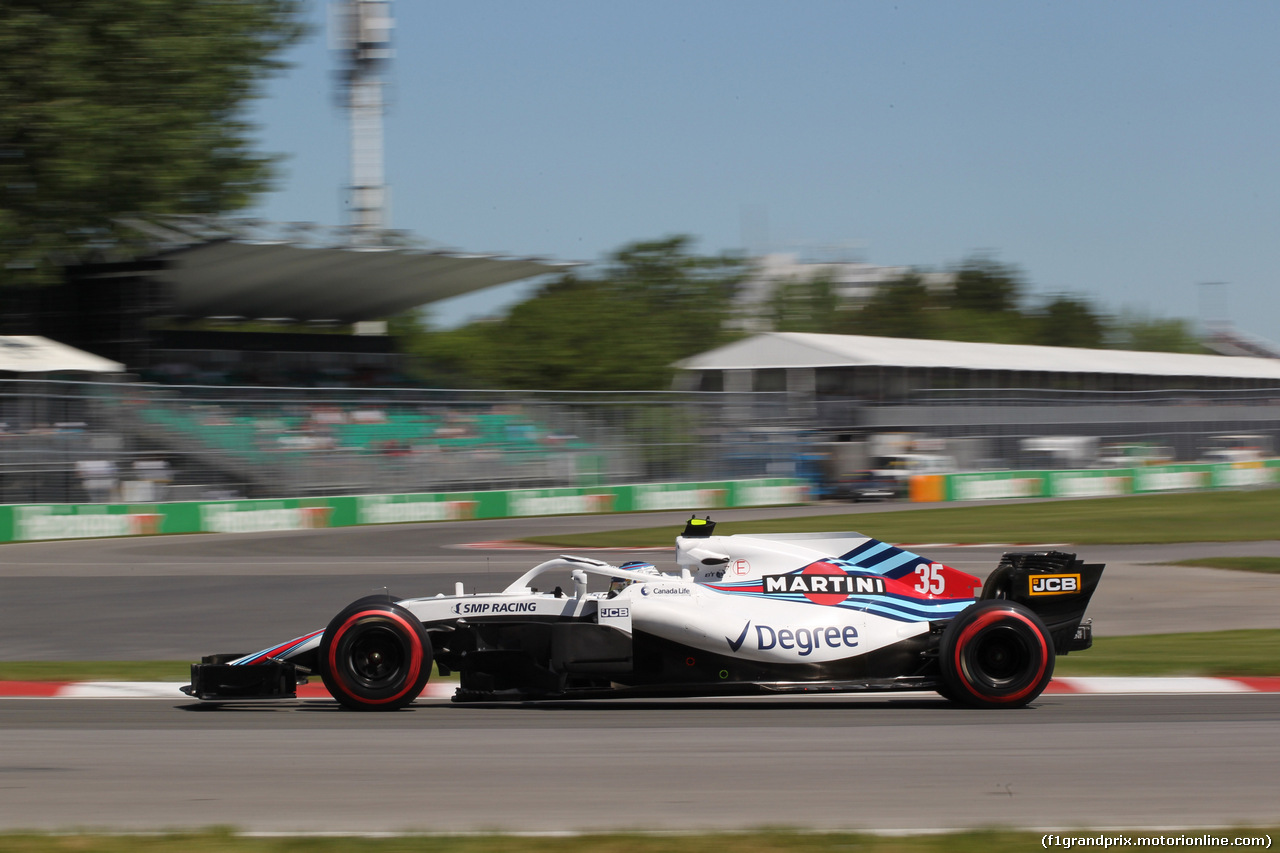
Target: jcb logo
column 1054, row 584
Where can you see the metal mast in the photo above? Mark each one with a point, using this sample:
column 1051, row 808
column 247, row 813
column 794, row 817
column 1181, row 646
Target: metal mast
column 362, row 30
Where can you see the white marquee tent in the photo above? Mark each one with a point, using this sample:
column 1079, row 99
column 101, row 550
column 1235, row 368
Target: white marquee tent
column 34, row 354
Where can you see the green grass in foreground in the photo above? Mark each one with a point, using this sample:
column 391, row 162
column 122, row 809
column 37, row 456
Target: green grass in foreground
column 1240, row 564
column 992, row 841
column 1192, row 517
column 1213, row 653
column 95, row 670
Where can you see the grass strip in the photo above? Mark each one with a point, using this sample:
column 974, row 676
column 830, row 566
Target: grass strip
column 1270, row 565
column 1228, row 516
column 1253, row 652
column 224, row 841
column 95, row 670
column 1214, row 653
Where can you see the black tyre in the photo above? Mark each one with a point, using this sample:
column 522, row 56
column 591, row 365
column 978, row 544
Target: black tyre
column 996, row 654
column 375, row 656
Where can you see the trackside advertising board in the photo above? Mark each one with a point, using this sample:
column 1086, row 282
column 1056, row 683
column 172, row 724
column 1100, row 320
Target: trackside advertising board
column 31, row 523
column 1094, row 483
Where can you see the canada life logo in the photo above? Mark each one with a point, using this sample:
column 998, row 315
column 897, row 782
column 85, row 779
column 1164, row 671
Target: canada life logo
column 1054, row 584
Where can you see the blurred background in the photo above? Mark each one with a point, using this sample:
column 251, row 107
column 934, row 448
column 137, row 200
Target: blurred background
column 185, row 315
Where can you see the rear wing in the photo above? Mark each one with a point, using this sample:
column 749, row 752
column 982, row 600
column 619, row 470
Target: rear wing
column 1055, row 585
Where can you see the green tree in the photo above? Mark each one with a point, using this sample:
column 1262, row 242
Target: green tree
column 805, row 306
column 1067, row 321
column 985, row 285
column 111, row 108
column 902, row 308
column 621, row 329
column 993, row 327
column 981, row 304
column 1153, row 334
column 683, row 297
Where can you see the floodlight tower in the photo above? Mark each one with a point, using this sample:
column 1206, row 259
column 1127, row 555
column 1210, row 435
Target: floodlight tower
column 362, row 33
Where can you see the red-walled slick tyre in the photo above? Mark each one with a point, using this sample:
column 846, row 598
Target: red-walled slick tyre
column 996, row 654
column 375, row 656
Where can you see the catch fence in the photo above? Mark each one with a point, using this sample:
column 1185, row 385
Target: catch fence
column 75, row 442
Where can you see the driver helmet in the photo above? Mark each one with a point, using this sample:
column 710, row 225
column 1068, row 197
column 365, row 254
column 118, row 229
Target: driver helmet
column 617, row 585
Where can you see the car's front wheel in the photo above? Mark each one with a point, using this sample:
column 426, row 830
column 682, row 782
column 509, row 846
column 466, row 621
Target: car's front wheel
column 375, row 656
column 996, row 654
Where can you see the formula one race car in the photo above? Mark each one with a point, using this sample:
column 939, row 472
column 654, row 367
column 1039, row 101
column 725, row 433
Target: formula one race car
column 793, row 613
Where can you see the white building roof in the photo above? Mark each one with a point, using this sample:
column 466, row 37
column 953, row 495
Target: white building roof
column 798, row 349
column 33, row 354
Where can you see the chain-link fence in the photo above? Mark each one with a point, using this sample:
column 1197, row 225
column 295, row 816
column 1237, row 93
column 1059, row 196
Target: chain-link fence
column 61, row 441
column 81, row 441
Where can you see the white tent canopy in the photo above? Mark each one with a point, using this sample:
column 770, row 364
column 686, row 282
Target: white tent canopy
column 34, row 354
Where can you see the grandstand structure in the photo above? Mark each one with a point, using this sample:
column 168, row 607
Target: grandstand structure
column 308, row 281
column 325, row 294
column 888, row 369
column 774, row 405
column 57, row 436
column 849, row 388
column 295, row 442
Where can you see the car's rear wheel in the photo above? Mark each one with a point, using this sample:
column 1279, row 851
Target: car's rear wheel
column 375, row 656
column 996, row 654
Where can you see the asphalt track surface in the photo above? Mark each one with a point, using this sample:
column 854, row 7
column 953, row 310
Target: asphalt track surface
column 180, row 597
column 899, row 763
column 902, row 762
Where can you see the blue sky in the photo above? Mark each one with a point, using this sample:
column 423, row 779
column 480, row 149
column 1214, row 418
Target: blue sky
column 1127, row 151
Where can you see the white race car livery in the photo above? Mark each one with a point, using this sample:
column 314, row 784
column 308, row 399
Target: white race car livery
column 741, row 614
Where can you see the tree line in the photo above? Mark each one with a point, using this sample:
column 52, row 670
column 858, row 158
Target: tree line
column 624, row 326
column 118, row 108
column 111, row 109
column 616, row 329
column 983, row 300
